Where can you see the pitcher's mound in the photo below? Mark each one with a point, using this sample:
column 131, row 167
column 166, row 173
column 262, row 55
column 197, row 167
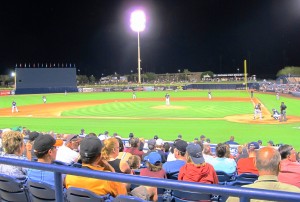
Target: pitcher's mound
column 168, row 107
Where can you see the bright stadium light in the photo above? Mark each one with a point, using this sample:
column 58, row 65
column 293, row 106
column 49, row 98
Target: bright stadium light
column 138, row 24
column 13, row 74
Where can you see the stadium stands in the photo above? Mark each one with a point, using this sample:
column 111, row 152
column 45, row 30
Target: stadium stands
column 12, row 190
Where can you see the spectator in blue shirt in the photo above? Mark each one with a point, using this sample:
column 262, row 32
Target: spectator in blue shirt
column 179, row 152
column 45, row 150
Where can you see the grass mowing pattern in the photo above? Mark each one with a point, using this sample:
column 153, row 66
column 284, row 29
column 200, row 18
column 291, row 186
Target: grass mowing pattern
column 216, row 130
column 178, row 109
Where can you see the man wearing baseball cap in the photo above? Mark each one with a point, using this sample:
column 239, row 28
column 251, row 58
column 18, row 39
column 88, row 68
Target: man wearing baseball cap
column 179, row 153
column 45, row 149
column 247, row 165
column 195, row 169
column 68, row 152
column 90, row 152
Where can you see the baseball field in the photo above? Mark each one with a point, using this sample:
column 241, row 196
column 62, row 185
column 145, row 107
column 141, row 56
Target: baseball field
column 190, row 114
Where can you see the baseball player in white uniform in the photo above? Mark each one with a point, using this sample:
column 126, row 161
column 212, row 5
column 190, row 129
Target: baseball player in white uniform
column 14, row 107
column 133, row 95
column 209, row 95
column 167, row 96
column 257, row 111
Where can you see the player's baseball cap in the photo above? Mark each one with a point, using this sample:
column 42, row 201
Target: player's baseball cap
column 153, row 158
column 45, row 142
column 33, row 135
column 155, row 137
column 152, row 142
column 90, row 146
column 271, row 142
column 202, row 136
column 180, row 145
column 71, row 138
column 131, row 135
column 253, row 145
column 195, row 152
column 159, row 142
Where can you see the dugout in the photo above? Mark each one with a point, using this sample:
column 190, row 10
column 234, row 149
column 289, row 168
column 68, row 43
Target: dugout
column 45, row 80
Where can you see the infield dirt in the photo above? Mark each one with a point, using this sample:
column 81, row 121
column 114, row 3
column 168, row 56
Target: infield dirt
column 54, row 110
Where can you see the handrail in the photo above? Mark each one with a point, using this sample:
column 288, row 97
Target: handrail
column 244, row 193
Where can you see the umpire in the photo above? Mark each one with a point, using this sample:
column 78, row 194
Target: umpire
column 282, row 112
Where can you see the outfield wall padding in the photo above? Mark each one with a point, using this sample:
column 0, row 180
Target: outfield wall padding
column 45, row 80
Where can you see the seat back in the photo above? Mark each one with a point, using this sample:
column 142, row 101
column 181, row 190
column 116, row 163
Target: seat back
column 247, row 177
column 40, row 191
column 12, row 190
column 125, row 198
column 190, row 196
column 173, row 175
column 84, row 195
column 224, row 178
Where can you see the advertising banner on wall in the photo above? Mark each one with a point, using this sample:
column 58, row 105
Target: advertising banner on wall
column 5, row 92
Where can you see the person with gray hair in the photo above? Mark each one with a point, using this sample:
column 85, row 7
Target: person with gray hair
column 289, row 167
column 267, row 163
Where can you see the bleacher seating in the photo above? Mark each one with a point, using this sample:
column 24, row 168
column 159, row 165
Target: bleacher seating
column 183, row 196
column 225, row 178
column 83, row 195
column 171, row 184
column 173, row 176
column 40, row 192
column 124, row 198
column 12, row 190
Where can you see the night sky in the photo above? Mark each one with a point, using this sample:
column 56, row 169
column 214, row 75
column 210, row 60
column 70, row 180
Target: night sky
column 198, row 35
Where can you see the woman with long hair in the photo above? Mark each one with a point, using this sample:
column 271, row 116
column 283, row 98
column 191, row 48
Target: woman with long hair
column 110, row 152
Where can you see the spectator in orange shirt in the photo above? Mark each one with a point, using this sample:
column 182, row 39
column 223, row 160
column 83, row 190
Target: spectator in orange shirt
column 90, row 152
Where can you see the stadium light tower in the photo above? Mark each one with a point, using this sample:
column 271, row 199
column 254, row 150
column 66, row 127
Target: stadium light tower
column 138, row 24
column 13, row 74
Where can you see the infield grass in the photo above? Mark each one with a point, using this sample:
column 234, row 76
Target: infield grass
column 216, row 130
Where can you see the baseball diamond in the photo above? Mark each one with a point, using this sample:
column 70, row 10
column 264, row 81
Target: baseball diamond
column 190, row 113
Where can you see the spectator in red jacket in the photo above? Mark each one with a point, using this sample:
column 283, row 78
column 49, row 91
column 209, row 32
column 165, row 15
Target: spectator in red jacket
column 196, row 170
column 134, row 147
column 289, row 167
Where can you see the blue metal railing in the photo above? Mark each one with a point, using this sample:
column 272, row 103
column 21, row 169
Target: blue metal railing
column 244, row 193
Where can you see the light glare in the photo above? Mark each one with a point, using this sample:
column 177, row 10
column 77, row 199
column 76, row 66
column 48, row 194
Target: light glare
column 138, row 21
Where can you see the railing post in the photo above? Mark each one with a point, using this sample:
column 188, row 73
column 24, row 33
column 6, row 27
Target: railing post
column 244, row 199
column 58, row 187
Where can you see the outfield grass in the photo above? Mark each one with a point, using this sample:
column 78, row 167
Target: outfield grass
column 216, row 130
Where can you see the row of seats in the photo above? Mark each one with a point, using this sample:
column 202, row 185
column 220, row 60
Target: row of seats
column 12, row 190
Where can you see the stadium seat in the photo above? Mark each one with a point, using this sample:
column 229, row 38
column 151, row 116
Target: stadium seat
column 181, row 196
column 84, row 195
column 244, row 179
column 124, row 198
column 247, row 177
column 224, row 178
column 173, row 176
column 12, row 190
column 40, row 191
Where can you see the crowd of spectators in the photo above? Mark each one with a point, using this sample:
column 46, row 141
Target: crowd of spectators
column 181, row 160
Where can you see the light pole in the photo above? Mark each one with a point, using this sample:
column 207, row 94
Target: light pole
column 138, row 24
column 178, row 75
column 13, row 74
column 238, row 69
